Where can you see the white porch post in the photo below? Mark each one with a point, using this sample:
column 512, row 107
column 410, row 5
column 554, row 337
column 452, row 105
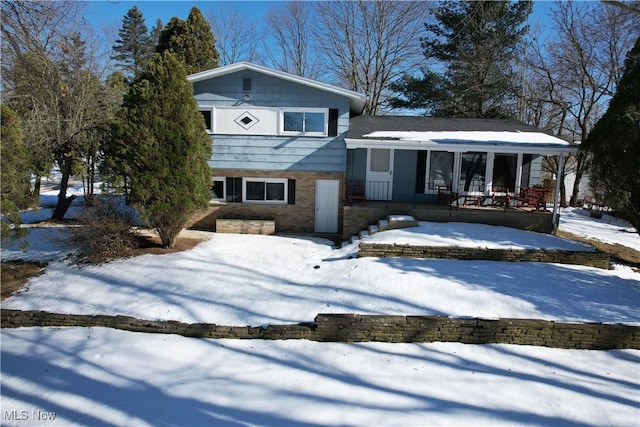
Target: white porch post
column 488, row 173
column 556, row 197
column 518, row 173
column 457, row 165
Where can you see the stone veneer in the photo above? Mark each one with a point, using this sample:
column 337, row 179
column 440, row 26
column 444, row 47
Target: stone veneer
column 366, row 328
column 383, row 250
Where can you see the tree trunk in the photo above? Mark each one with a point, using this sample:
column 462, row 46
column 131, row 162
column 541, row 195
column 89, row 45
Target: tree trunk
column 580, row 169
column 36, row 191
column 63, row 201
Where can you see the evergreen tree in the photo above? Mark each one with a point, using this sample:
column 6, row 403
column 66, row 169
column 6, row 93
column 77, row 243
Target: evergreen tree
column 614, row 144
column 477, row 42
column 155, row 32
column 114, row 167
column 15, row 169
column 135, row 45
column 168, row 147
column 191, row 41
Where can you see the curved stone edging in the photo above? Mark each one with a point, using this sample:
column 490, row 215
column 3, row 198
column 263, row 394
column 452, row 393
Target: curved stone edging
column 366, row 328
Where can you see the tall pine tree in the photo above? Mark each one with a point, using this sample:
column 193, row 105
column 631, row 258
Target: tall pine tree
column 191, row 41
column 478, row 43
column 135, row 46
column 614, row 144
column 168, row 147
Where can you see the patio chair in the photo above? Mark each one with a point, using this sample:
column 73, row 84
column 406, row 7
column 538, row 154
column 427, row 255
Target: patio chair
column 356, row 191
column 538, row 197
column 446, row 197
column 523, row 198
column 501, row 197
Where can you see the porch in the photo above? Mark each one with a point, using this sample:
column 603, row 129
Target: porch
column 359, row 216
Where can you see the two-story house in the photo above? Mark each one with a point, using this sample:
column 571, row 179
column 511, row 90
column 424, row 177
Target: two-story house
column 286, row 148
column 278, row 146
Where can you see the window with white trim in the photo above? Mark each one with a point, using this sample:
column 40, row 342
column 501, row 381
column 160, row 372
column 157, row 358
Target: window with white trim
column 304, row 121
column 218, row 188
column 207, row 114
column 264, row 190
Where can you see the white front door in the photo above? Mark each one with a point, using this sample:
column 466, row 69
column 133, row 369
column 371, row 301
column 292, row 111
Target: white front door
column 327, row 203
column 379, row 185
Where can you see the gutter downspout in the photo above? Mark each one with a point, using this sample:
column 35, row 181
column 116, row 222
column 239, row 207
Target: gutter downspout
column 556, row 197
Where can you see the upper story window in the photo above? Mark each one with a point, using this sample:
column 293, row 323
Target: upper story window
column 246, row 84
column 304, row 122
column 207, row 114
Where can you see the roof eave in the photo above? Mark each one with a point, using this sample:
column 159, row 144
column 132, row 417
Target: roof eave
column 357, row 100
column 542, row 149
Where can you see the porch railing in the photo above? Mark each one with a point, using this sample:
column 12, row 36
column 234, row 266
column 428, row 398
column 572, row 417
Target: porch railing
column 377, row 190
column 381, row 190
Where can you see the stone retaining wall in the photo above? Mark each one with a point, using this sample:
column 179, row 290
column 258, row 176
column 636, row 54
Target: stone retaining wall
column 367, row 328
column 381, row 250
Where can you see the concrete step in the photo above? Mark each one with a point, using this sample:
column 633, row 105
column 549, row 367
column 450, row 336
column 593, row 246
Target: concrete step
column 401, row 221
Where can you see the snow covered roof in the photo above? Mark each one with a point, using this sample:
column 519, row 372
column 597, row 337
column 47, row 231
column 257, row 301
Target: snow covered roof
column 451, row 134
column 356, row 100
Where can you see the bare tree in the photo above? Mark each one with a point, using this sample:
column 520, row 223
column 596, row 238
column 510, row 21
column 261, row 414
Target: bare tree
column 53, row 84
column 29, row 31
column 288, row 45
column 573, row 75
column 369, row 44
column 237, row 38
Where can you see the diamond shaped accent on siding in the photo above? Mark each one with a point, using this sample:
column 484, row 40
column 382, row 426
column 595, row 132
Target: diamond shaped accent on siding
column 246, row 120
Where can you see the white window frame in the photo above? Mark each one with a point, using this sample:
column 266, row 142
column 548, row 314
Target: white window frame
column 324, row 111
column 266, row 181
column 210, row 109
column 224, row 189
column 427, row 175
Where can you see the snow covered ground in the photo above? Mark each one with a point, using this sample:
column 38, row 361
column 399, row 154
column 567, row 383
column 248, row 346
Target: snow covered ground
column 103, row 377
column 608, row 229
column 97, row 376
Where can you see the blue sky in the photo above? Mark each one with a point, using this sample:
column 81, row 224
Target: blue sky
column 110, row 13
column 100, row 13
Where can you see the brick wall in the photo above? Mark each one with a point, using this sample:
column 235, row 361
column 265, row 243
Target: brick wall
column 245, row 226
column 296, row 218
column 379, row 250
column 367, row 328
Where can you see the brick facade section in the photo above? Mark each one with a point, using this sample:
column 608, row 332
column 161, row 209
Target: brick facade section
column 245, row 226
column 296, row 218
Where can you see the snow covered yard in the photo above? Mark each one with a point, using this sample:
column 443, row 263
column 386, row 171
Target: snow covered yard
column 98, row 376
column 256, row 280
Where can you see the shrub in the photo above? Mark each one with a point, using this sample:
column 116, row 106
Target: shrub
column 105, row 231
